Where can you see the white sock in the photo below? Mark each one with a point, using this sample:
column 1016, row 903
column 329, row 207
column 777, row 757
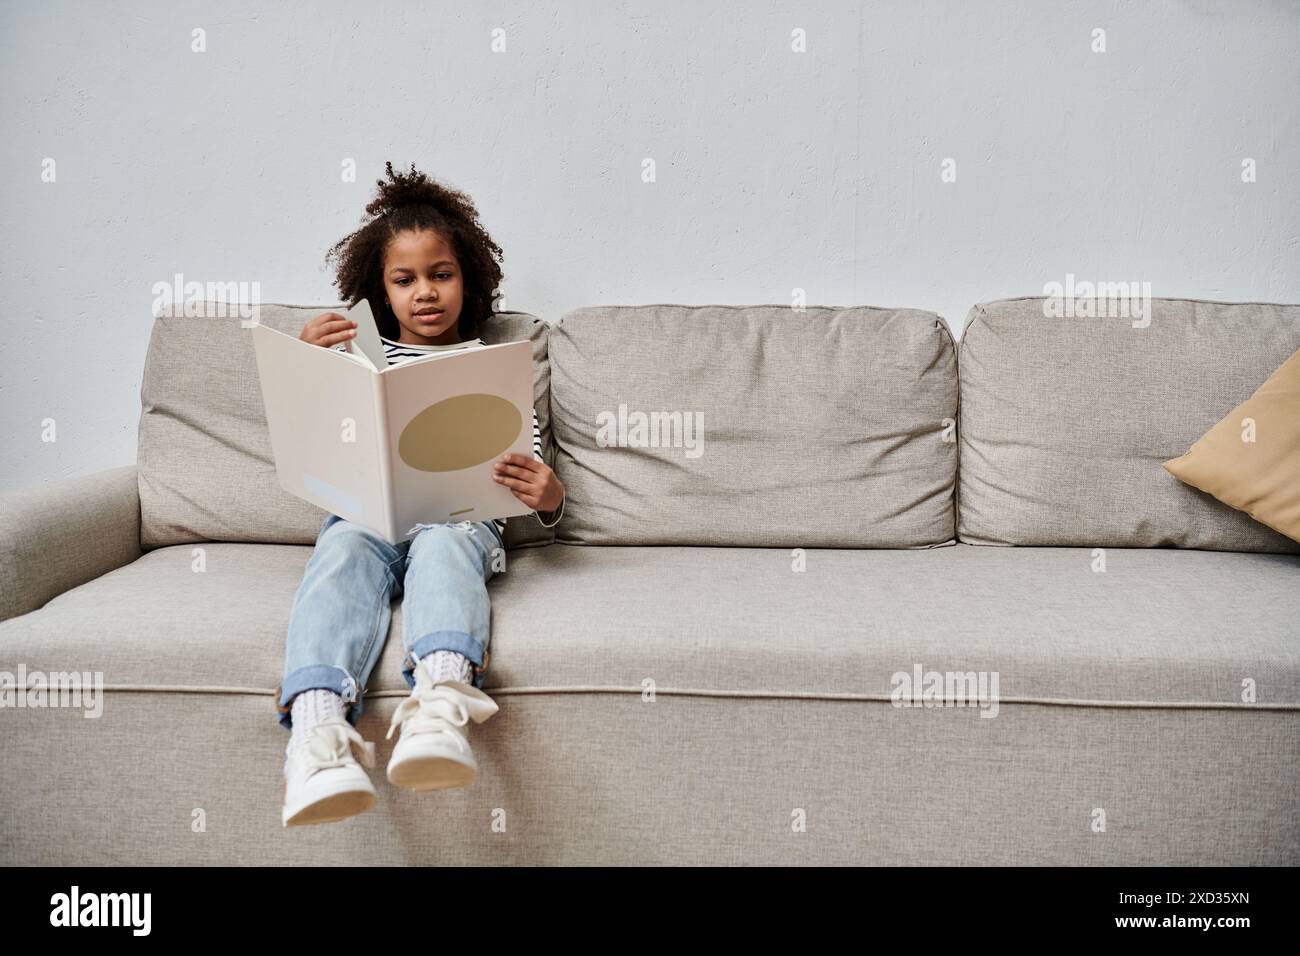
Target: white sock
column 310, row 708
column 447, row 665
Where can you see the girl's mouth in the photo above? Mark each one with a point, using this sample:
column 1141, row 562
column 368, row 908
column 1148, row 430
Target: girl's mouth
column 429, row 316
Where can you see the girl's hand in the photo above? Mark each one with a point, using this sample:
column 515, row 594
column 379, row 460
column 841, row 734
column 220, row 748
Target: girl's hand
column 529, row 480
column 328, row 329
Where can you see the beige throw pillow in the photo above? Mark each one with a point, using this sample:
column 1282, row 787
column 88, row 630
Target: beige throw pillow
column 1251, row 459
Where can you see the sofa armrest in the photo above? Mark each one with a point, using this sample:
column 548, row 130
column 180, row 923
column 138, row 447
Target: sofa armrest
column 58, row 536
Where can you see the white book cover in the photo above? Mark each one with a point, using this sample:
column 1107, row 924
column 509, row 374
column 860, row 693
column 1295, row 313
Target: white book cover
column 412, row 443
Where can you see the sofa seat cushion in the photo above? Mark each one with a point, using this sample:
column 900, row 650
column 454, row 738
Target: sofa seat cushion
column 1158, row 627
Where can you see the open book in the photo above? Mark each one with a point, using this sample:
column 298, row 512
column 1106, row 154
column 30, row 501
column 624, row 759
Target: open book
column 408, row 444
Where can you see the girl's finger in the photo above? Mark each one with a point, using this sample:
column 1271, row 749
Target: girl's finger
column 517, row 485
column 517, row 470
column 519, row 461
column 334, row 325
column 337, row 337
column 522, row 493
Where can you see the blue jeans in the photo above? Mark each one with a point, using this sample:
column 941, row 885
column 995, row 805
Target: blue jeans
column 342, row 611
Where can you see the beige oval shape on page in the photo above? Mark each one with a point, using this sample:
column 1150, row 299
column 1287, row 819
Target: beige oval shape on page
column 459, row 432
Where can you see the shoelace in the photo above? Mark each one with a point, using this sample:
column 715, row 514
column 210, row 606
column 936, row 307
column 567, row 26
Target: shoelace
column 431, row 710
column 328, row 743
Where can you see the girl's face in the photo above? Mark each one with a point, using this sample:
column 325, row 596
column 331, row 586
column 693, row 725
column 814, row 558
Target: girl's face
column 424, row 287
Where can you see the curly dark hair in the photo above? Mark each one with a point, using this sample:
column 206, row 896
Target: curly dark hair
column 414, row 201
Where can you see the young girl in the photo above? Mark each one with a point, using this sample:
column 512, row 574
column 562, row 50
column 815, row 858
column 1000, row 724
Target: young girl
column 431, row 274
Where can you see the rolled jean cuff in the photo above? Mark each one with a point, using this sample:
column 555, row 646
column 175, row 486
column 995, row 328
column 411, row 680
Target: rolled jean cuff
column 318, row 677
column 457, row 641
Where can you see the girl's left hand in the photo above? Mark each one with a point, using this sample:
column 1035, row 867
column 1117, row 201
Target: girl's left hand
column 531, row 481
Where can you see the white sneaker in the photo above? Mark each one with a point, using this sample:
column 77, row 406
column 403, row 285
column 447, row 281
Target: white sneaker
column 433, row 752
column 322, row 780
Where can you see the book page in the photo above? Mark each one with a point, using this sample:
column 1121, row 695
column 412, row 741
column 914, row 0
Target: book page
column 320, row 409
column 449, row 420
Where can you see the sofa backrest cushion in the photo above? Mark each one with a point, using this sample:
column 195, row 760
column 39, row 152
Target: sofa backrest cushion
column 755, row 426
column 206, row 472
column 1065, row 422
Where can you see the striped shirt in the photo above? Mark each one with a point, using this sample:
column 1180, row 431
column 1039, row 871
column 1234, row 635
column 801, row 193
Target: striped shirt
column 399, row 352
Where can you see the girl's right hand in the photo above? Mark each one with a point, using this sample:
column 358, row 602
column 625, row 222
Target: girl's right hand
column 328, row 329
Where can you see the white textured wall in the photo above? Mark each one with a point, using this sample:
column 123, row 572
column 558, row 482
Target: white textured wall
column 775, row 170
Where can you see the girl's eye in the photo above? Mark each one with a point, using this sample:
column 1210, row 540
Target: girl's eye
column 404, row 280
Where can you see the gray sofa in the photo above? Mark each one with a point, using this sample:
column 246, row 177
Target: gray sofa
column 705, row 662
